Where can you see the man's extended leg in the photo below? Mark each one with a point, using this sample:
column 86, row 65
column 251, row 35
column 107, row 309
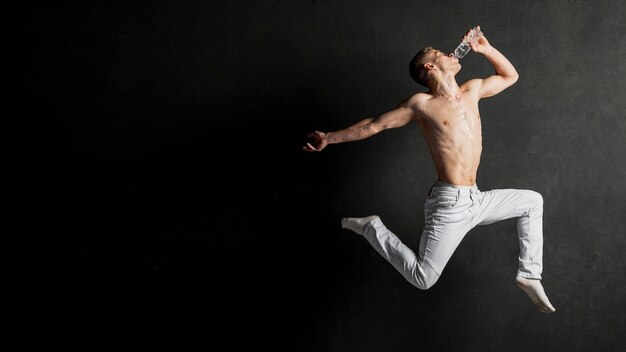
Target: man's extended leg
column 387, row 244
column 527, row 206
column 447, row 221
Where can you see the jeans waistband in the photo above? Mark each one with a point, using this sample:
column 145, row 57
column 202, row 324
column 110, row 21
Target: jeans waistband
column 443, row 187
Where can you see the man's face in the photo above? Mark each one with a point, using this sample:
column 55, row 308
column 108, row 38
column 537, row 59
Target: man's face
column 445, row 62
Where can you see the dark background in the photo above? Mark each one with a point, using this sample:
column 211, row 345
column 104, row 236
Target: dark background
column 180, row 198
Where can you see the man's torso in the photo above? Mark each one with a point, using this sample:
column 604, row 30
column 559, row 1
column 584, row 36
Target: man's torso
column 452, row 130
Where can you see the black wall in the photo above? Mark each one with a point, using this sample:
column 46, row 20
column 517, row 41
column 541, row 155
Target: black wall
column 181, row 197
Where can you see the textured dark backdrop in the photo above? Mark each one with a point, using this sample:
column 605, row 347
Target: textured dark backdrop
column 179, row 194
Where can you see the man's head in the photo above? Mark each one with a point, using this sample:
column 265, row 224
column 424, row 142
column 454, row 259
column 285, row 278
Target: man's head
column 427, row 61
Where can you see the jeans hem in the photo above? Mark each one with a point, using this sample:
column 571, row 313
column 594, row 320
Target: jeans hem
column 529, row 276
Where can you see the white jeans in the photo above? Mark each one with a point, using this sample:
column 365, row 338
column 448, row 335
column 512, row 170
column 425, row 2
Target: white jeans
column 450, row 212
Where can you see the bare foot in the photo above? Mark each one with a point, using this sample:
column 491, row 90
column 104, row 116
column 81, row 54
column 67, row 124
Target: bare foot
column 357, row 224
column 534, row 290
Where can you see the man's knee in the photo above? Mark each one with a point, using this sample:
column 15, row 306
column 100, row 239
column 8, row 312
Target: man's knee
column 424, row 285
column 425, row 280
column 535, row 198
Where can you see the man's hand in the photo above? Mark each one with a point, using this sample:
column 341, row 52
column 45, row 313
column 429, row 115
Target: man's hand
column 481, row 45
column 318, row 143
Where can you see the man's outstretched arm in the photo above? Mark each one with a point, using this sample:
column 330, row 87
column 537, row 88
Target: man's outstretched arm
column 505, row 76
column 398, row 117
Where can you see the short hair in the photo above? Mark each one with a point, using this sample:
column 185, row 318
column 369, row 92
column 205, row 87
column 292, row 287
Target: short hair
column 416, row 67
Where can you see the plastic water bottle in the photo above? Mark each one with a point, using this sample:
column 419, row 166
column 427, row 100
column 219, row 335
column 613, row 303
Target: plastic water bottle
column 465, row 47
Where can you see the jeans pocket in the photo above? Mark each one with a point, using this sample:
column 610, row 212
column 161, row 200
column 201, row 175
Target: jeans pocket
column 446, row 199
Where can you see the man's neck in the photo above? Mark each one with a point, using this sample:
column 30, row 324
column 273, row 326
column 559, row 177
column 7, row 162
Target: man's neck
column 446, row 87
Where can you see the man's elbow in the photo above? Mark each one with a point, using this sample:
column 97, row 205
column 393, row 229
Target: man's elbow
column 513, row 78
column 374, row 128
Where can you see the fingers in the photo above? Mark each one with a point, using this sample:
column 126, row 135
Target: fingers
column 310, row 148
column 315, row 134
column 469, row 30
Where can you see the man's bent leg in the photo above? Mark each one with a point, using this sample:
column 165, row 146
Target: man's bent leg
column 447, row 221
column 388, row 245
column 527, row 206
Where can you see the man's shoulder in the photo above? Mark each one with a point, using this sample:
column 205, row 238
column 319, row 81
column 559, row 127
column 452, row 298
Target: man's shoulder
column 422, row 95
column 417, row 103
column 419, row 98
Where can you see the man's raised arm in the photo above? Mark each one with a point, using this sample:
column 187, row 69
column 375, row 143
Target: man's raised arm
column 398, row 117
column 505, row 75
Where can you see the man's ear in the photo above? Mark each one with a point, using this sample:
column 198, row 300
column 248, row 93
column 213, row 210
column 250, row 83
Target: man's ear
column 429, row 66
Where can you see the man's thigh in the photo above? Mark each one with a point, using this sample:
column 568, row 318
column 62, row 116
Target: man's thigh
column 444, row 230
column 501, row 204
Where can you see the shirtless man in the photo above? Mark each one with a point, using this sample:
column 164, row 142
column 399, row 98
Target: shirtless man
column 450, row 123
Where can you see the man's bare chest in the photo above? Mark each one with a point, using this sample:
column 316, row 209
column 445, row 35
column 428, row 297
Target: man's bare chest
column 453, row 115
